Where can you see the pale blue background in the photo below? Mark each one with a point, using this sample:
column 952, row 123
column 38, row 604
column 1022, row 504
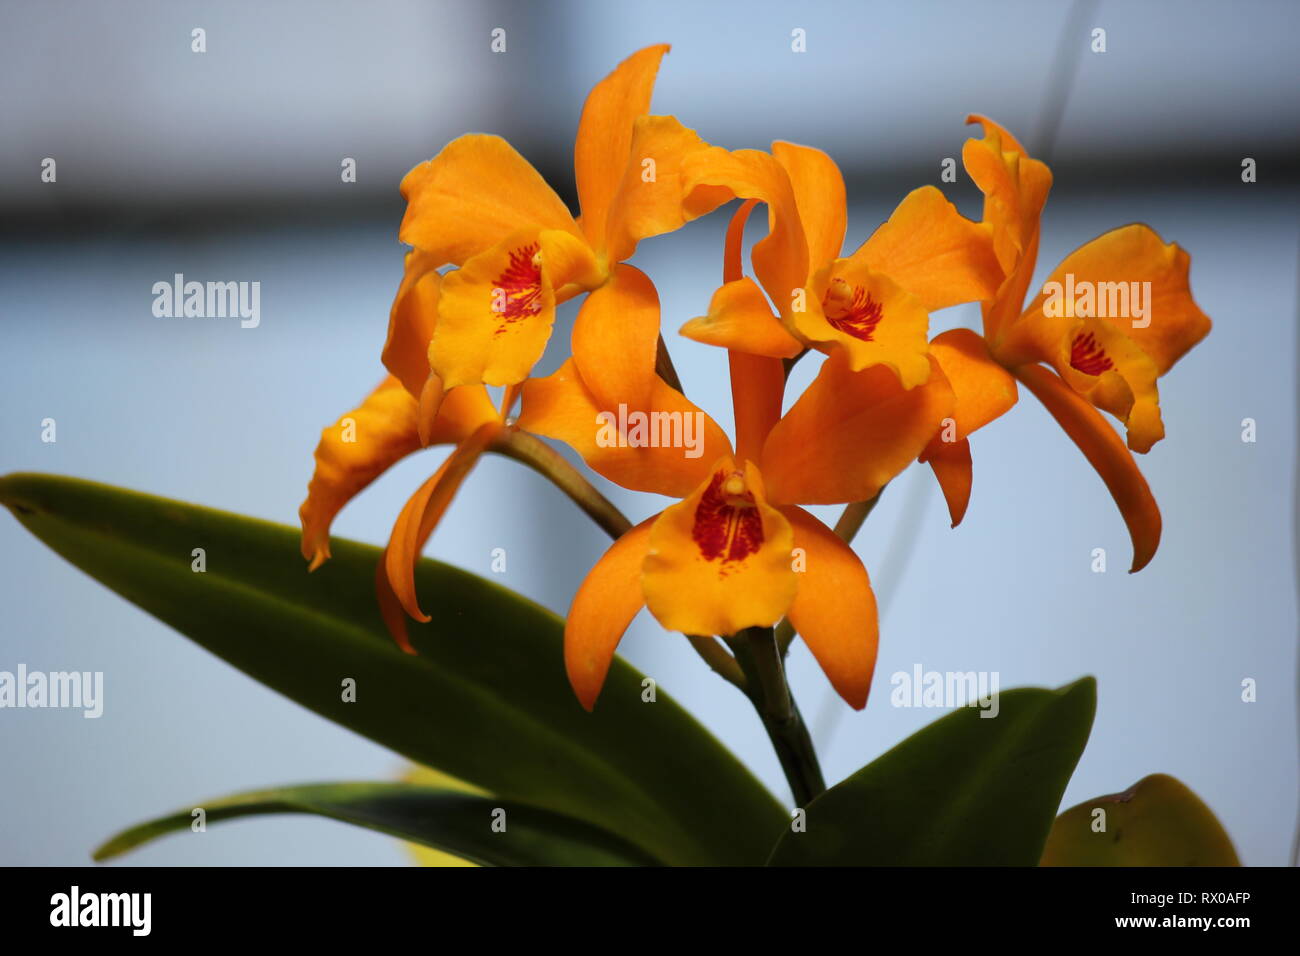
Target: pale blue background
column 226, row 166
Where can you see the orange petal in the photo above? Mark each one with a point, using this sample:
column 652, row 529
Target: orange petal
column 351, row 455
column 1015, row 189
column 720, row 560
column 1103, row 276
column 421, row 514
column 934, row 252
column 819, row 195
column 651, row 199
column 472, row 195
column 390, row 609
column 951, row 464
column 781, row 257
column 834, row 610
column 739, row 318
column 412, row 320
column 496, row 311
column 983, row 389
column 615, row 340
column 607, row 601
column 850, row 433
column 461, row 412
column 1106, row 453
column 869, row 318
column 665, row 449
column 603, row 144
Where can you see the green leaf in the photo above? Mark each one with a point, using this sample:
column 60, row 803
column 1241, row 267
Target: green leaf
column 1156, row 822
column 486, row 700
column 965, row 791
column 449, row 820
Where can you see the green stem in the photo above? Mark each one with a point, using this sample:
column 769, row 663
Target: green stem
column 530, row 450
column 769, row 692
column 722, row 663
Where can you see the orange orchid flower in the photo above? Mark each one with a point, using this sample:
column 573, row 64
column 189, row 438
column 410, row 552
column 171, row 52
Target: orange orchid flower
column 480, row 206
column 1113, row 317
column 388, row 426
column 873, row 305
column 737, row 550
column 871, row 308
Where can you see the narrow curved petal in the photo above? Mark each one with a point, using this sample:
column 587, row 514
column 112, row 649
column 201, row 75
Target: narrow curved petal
column 740, row 318
column 819, row 196
column 1106, row 453
column 757, row 381
column 651, row 199
column 411, row 321
column 834, row 609
column 664, row 449
column 605, row 604
column 474, row 194
column 1015, row 189
column 934, row 252
column 850, row 433
column 421, row 514
column 496, row 312
column 353, row 453
column 952, row 467
column 604, row 140
column 615, row 340
column 781, row 257
column 720, row 560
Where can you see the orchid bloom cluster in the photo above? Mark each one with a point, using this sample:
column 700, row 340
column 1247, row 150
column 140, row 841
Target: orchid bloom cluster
column 494, row 250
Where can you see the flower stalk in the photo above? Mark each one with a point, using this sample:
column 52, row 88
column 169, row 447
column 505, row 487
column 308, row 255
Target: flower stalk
column 768, row 690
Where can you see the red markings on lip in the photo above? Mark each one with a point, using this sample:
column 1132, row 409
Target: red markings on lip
column 728, row 527
column 517, row 292
column 1087, row 355
column 854, row 313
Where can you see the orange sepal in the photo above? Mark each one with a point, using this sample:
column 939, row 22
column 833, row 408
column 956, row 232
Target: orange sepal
column 834, row 609
column 605, row 604
column 615, row 340
column 352, row 454
column 420, row 516
column 1106, row 452
column 411, row 321
column 850, row 433
column 603, row 144
column 473, row 194
column 739, row 318
column 933, row 251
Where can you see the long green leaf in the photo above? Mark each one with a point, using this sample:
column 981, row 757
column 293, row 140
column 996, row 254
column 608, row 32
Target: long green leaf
column 449, row 820
column 964, row 791
column 486, row 700
column 1156, row 822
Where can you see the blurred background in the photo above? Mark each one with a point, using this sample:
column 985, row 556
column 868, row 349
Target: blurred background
column 225, row 165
